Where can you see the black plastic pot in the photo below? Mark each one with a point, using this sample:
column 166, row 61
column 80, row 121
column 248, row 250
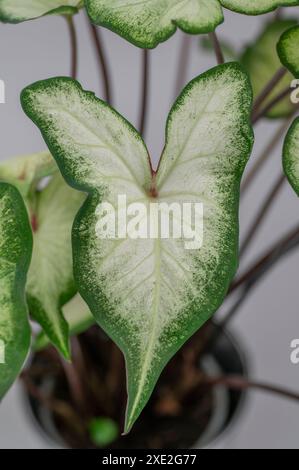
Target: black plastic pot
column 226, row 357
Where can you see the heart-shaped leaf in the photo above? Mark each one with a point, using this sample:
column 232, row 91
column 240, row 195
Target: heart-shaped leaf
column 50, row 279
column 256, row 7
column 291, row 156
column 151, row 294
column 262, row 62
column 25, row 172
column 146, row 24
column 16, row 11
column 288, row 50
column 15, row 253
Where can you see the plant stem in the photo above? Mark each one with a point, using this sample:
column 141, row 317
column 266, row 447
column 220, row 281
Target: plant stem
column 268, row 89
column 256, row 224
column 102, row 61
column 278, row 14
column 249, row 280
column 266, row 153
column 264, row 111
column 217, row 48
column 183, row 62
column 74, row 46
column 145, row 91
column 59, row 407
column 279, row 249
column 240, row 383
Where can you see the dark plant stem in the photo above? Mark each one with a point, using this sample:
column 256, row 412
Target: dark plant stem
column 240, row 383
column 266, row 154
column 145, row 91
column 279, row 249
column 74, row 46
column 73, row 378
column 183, row 62
column 58, row 407
column 264, row 111
column 217, row 48
column 248, row 281
column 256, row 224
column 268, row 89
column 278, row 14
column 102, row 61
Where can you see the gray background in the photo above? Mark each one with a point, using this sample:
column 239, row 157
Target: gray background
column 269, row 320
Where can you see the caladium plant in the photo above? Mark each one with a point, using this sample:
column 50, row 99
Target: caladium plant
column 287, row 49
column 150, row 295
column 146, row 24
column 15, row 254
column 256, row 7
column 16, row 11
column 50, row 281
column 291, row 156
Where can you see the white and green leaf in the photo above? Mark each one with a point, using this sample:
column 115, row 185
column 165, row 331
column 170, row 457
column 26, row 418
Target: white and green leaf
column 25, row 172
column 50, row 280
column 262, row 62
column 291, row 156
column 256, row 7
column 288, row 50
column 151, row 295
column 15, row 253
column 146, row 24
column 16, row 11
column 78, row 317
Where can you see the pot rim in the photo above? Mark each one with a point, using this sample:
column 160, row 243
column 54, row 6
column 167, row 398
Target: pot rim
column 55, row 441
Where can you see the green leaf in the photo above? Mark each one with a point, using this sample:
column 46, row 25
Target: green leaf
column 291, row 156
column 151, row 295
column 78, row 317
column 50, row 280
column 261, row 61
column 16, row 11
column 146, row 24
column 103, row 431
column 15, row 253
column 288, row 50
column 25, row 172
column 256, row 7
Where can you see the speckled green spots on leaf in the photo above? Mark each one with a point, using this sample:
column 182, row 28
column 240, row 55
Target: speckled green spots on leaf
column 147, row 23
column 15, row 254
column 16, row 11
column 288, row 50
column 151, row 295
column 291, row 156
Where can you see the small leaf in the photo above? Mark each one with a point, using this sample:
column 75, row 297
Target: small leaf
column 256, row 7
column 150, row 295
column 146, row 24
column 261, row 61
column 25, row 172
column 291, row 156
column 103, row 431
column 288, row 50
column 78, row 317
column 50, row 280
column 16, row 11
column 15, row 253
